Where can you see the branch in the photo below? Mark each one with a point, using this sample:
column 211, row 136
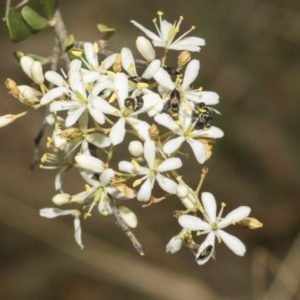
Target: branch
column 137, row 245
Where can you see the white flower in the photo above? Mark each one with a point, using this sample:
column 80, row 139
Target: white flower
column 55, row 212
column 152, row 173
column 187, row 96
column 175, row 242
column 167, row 33
column 117, row 132
column 99, row 190
column 214, row 227
column 186, row 133
column 128, row 64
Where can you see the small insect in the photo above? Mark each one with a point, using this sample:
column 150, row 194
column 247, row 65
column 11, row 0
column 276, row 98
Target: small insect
column 134, row 104
column 205, row 252
column 173, row 103
column 202, row 116
column 138, row 79
column 171, row 71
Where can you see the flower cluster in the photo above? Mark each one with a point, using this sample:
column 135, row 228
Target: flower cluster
column 95, row 105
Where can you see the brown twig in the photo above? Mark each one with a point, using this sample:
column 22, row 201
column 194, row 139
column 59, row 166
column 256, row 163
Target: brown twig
column 137, row 245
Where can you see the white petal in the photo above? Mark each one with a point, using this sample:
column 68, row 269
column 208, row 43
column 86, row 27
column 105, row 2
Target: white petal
column 151, row 69
column 167, row 121
column 121, row 85
column 172, row 163
column 193, row 223
column 190, row 74
column 117, row 132
column 128, row 61
column 210, row 206
column 106, row 176
column 212, row 132
column 145, row 190
column 90, row 55
column 173, row 145
column 54, row 212
column 198, row 149
column 102, row 105
column 54, row 94
column 206, row 249
column 150, row 100
column 166, row 184
column 74, row 116
column 78, row 232
column 99, row 87
column 209, row 98
column 96, row 114
column 64, row 105
column 163, row 78
column 232, row 242
column 90, row 77
column 141, row 127
column 90, row 163
column 149, row 33
column 149, row 153
column 98, row 139
column 174, row 245
column 235, row 216
column 58, row 181
column 126, row 166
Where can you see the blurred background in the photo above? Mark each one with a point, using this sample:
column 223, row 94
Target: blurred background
column 251, row 59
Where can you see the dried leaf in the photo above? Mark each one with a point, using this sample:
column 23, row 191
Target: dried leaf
column 208, row 145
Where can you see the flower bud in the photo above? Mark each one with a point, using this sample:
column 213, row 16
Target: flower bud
column 26, row 63
column 136, row 148
column 145, row 48
column 174, row 244
column 251, row 223
column 61, row 199
column 128, row 216
column 182, row 190
column 37, row 72
column 12, row 88
column 29, row 95
column 59, row 142
column 7, row 119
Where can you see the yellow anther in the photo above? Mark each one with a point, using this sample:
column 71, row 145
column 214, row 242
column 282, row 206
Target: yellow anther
column 49, row 142
column 76, row 199
column 193, row 27
column 200, row 89
column 130, row 68
column 44, row 157
column 137, row 182
column 198, row 233
column 160, row 13
column 112, row 97
column 77, row 53
column 142, row 85
column 88, row 188
column 135, row 164
column 105, row 213
column 179, row 122
column 181, row 18
column 95, row 48
column 87, row 215
column 219, row 240
column 223, row 204
column 41, row 166
column 154, row 20
column 232, row 222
